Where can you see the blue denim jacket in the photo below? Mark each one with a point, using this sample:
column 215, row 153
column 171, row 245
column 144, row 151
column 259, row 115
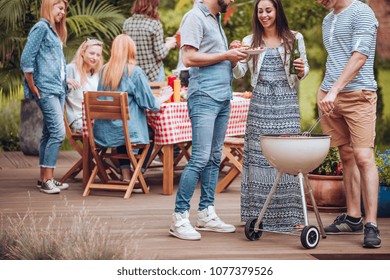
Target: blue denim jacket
column 44, row 58
column 109, row 133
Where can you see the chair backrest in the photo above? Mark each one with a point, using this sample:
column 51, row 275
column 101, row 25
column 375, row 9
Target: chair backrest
column 156, row 87
column 73, row 137
column 107, row 105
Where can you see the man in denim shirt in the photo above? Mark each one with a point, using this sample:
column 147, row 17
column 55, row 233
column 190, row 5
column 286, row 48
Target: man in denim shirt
column 43, row 64
column 205, row 51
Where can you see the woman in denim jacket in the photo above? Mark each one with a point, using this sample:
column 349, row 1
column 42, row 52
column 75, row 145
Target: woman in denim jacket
column 122, row 75
column 273, row 110
column 43, row 64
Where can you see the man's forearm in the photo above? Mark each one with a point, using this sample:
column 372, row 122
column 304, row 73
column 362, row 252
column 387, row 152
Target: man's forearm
column 193, row 58
column 351, row 69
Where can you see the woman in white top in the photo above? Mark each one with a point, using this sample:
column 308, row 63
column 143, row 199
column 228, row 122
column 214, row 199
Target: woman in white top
column 82, row 75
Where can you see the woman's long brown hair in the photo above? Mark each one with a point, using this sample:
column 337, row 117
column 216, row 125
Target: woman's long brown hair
column 284, row 31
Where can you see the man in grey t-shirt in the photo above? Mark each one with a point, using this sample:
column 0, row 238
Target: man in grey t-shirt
column 348, row 95
column 205, row 50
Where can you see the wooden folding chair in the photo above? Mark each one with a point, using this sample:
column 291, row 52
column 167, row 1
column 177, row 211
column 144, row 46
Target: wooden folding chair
column 233, row 149
column 109, row 105
column 76, row 141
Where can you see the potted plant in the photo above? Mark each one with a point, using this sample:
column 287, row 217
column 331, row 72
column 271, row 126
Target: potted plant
column 327, row 185
column 383, row 162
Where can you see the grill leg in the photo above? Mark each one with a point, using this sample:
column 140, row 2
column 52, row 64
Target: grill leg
column 315, row 208
column 301, row 185
column 267, row 202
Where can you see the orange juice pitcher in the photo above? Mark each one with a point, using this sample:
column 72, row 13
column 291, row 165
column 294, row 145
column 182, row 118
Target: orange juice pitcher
column 176, row 90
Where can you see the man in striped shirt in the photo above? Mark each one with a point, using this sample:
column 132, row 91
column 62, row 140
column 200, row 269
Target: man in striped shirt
column 348, row 97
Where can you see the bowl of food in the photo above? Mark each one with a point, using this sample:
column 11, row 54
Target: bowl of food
column 295, row 153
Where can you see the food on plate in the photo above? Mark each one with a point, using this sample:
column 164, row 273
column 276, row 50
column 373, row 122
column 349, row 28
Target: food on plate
column 293, row 136
column 252, row 50
column 245, row 94
column 256, row 49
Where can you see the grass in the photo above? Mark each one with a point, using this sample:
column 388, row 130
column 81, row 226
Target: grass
column 72, row 236
column 384, row 83
column 307, row 97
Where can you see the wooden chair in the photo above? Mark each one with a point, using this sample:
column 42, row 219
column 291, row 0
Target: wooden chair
column 233, row 149
column 76, row 141
column 108, row 105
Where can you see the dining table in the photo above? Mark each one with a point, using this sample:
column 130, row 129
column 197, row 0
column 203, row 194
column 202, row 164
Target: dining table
column 172, row 126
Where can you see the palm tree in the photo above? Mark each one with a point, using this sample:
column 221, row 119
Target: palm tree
column 85, row 18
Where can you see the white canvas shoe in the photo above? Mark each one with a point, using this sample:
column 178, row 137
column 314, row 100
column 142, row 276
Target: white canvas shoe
column 209, row 221
column 182, row 228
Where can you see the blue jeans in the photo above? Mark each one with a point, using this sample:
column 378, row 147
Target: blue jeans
column 209, row 119
column 53, row 131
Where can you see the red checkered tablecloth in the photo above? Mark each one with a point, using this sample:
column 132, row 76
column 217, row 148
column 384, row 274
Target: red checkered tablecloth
column 172, row 124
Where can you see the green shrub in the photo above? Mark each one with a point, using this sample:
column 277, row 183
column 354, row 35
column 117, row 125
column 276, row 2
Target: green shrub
column 10, row 120
column 383, row 162
column 331, row 164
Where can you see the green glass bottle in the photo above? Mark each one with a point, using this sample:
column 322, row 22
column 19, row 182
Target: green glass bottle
column 294, row 55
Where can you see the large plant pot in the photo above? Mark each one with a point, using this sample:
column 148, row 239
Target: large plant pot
column 328, row 192
column 30, row 127
column 383, row 202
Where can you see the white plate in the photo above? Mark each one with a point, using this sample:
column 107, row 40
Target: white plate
column 251, row 52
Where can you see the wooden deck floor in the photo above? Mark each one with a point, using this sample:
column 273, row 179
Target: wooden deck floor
column 152, row 214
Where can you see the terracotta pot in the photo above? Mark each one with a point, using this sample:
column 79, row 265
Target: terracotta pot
column 328, row 192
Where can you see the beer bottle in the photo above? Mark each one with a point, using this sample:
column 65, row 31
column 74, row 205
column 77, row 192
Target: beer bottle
column 294, row 55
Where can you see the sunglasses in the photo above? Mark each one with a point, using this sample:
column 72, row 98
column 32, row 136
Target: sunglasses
column 94, row 42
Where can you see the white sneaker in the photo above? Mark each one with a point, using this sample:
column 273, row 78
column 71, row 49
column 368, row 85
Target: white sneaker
column 61, row 186
column 49, row 187
column 182, row 228
column 209, row 221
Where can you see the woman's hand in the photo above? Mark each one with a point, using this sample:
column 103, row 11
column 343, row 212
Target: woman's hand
column 235, row 44
column 299, row 65
column 31, row 85
column 170, row 42
column 73, row 83
column 165, row 93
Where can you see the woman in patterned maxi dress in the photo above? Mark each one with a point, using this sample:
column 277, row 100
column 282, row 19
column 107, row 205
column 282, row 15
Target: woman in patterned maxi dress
column 273, row 109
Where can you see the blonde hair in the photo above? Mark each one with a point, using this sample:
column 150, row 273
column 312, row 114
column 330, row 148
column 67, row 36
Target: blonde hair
column 46, row 13
column 78, row 59
column 123, row 52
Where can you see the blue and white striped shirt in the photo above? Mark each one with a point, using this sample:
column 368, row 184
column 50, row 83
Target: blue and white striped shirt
column 353, row 29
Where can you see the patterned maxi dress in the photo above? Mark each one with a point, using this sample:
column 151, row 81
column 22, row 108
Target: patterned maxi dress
column 273, row 110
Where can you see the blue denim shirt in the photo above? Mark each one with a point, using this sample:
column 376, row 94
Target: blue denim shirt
column 109, row 133
column 202, row 30
column 44, row 58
